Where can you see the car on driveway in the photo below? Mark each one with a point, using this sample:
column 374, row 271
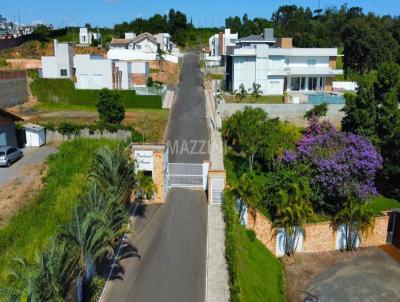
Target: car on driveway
column 9, row 154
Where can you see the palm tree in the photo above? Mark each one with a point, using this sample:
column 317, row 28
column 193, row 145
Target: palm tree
column 256, row 91
column 113, row 171
column 88, row 240
column 247, row 192
column 293, row 210
column 241, row 93
column 357, row 218
column 144, row 187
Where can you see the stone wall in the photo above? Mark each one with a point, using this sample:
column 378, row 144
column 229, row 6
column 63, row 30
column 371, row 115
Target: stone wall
column 13, row 88
column 319, row 237
column 293, row 113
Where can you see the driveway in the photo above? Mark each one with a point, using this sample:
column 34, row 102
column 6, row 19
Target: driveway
column 373, row 277
column 173, row 246
column 32, row 156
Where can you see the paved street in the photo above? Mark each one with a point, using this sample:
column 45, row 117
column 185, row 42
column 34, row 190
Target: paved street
column 32, row 155
column 187, row 127
column 173, row 244
column 372, row 278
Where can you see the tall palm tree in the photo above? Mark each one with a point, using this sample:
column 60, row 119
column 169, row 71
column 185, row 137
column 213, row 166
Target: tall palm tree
column 357, row 218
column 293, row 210
column 113, row 171
column 89, row 240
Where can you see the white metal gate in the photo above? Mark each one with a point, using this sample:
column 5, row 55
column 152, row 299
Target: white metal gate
column 187, row 175
column 217, row 187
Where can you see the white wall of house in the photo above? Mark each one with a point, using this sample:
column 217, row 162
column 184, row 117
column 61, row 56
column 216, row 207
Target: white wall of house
column 146, row 46
column 228, row 40
column 93, row 72
column 84, row 36
column 133, row 55
column 59, row 66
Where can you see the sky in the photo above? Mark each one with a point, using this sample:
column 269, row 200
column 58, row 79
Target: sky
column 204, row 13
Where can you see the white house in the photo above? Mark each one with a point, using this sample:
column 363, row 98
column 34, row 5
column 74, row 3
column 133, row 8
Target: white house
column 145, row 43
column 60, row 65
column 96, row 72
column 218, row 43
column 164, row 40
column 86, row 36
column 278, row 67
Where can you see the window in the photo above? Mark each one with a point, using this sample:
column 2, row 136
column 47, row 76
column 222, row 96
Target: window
column 321, row 83
column 312, row 83
column 295, row 84
column 311, row 62
column 138, row 46
column 303, row 83
column 63, row 72
column 83, row 39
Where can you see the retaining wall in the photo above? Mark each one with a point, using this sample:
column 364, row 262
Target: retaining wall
column 319, row 237
column 13, row 88
column 293, row 113
column 55, row 136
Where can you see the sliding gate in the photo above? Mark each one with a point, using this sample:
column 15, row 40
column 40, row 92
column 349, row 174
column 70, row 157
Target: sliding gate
column 187, row 175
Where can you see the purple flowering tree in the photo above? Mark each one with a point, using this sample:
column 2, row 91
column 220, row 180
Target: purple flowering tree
column 344, row 165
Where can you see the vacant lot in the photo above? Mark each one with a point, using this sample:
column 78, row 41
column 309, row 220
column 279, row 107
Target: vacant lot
column 29, row 230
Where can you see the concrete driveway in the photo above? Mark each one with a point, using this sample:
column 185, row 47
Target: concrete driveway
column 374, row 277
column 32, row 156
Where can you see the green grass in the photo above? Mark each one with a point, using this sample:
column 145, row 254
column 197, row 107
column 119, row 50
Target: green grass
column 60, row 92
column 215, row 76
column 381, row 203
column 29, row 230
column 260, row 274
column 265, row 99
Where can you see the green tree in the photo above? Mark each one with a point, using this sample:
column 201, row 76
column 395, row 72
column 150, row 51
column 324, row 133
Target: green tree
column 144, row 187
column 42, row 32
column 293, row 211
column 256, row 92
column 109, row 107
column 160, row 57
column 357, row 218
column 319, row 110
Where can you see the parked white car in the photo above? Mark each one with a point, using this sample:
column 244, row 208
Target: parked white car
column 9, row 155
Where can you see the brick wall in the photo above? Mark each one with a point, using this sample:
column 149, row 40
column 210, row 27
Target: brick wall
column 139, row 78
column 319, row 237
column 328, row 84
column 332, row 62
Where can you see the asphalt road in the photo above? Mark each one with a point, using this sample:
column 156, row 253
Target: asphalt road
column 173, row 244
column 188, row 133
column 32, row 155
column 373, row 278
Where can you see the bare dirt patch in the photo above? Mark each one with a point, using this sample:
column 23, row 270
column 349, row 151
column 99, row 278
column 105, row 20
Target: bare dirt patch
column 16, row 194
column 302, row 268
column 165, row 72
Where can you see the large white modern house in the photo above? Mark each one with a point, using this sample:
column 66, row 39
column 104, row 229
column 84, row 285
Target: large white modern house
column 94, row 71
column 278, row 66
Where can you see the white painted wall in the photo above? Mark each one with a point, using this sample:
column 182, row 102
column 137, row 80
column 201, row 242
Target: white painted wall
column 62, row 60
column 146, row 46
column 133, row 55
column 93, row 72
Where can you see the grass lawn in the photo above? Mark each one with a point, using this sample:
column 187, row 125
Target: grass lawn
column 381, row 203
column 60, row 92
column 215, row 76
column 265, row 99
column 30, row 229
column 260, row 274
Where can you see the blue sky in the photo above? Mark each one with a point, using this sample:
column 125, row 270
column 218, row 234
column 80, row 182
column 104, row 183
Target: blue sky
column 203, row 12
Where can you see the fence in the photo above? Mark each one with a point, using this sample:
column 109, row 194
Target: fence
column 55, row 136
column 315, row 238
column 140, row 90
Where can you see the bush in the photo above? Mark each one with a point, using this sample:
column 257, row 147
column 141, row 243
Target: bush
column 109, row 107
column 319, row 110
column 251, row 234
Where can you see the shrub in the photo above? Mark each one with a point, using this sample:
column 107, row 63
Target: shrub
column 109, row 107
column 319, row 110
column 251, row 234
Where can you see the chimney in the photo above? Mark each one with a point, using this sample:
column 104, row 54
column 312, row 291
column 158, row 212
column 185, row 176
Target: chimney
column 220, row 43
column 269, row 34
column 285, row 43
